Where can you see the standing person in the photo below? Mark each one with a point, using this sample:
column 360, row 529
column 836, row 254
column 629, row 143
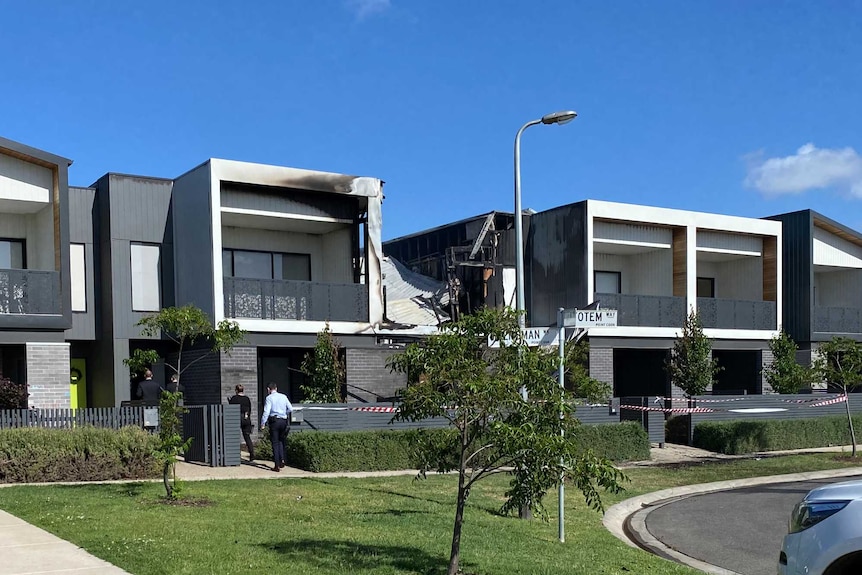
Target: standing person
column 174, row 385
column 245, row 425
column 150, row 390
column 276, row 410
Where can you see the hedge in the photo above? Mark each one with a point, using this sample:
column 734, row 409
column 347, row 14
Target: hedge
column 743, row 436
column 383, row 450
column 36, row 455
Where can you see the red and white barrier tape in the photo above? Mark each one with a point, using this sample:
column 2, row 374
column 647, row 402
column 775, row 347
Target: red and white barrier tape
column 839, row 399
column 669, row 410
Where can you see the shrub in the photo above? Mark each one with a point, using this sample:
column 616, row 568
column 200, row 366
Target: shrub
column 382, row 450
column 676, row 429
column 737, row 437
column 35, row 455
column 12, row 395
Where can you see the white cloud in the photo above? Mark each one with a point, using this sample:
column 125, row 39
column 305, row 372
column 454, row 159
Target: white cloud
column 365, row 8
column 811, row 168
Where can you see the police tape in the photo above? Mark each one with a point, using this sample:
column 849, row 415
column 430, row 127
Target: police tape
column 374, row 409
column 747, row 398
column 744, row 410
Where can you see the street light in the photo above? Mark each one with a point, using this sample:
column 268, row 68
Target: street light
column 563, row 117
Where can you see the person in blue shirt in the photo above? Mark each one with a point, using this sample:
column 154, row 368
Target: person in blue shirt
column 276, row 411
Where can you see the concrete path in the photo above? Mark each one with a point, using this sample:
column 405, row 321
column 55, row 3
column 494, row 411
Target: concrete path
column 25, row 550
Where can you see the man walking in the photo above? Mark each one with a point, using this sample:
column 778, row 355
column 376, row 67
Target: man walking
column 276, row 410
column 244, row 404
column 150, row 390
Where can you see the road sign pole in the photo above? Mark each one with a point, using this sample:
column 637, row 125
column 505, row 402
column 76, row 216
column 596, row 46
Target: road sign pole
column 561, row 342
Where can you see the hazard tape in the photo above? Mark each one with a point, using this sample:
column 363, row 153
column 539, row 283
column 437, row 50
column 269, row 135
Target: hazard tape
column 751, row 397
column 366, row 409
column 669, row 410
column 839, row 399
column 660, row 399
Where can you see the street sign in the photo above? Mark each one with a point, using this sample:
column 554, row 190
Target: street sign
column 590, row 318
column 534, row 337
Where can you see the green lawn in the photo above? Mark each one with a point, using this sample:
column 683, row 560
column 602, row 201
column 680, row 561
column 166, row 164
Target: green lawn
column 369, row 526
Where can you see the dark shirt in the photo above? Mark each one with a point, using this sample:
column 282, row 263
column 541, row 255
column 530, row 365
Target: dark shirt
column 244, row 408
column 150, row 391
column 173, row 387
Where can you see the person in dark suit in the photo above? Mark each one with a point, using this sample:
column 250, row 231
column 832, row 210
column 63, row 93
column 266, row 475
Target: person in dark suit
column 149, row 390
column 244, row 417
column 174, row 385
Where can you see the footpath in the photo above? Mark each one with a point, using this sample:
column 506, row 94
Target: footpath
column 28, row 550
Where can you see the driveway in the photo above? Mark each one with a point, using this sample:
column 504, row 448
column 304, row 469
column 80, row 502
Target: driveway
column 740, row 530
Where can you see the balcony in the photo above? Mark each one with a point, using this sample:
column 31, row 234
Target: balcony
column 30, row 292
column 736, row 314
column 294, row 300
column 837, row 319
column 645, row 310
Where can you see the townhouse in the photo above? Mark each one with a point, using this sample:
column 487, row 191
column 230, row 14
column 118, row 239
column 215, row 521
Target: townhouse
column 37, row 293
column 822, row 275
column 653, row 265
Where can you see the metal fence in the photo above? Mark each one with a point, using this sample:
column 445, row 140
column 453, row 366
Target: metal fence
column 216, row 434
column 294, row 300
column 110, row 417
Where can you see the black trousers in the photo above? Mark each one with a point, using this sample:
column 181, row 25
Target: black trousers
column 278, row 430
column 245, row 427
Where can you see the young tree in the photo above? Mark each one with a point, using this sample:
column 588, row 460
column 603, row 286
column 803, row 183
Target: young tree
column 454, row 375
column 324, row 370
column 691, row 366
column 840, row 364
column 784, row 374
column 184, row 326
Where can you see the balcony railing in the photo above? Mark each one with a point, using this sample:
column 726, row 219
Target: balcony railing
column 736, row 314
column 645, row 310
column 30, row 292
column 295, row 300
column 837, row 319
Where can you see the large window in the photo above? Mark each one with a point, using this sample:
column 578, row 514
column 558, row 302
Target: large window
column 266, row 265
column 78, row 277
column 607, row 282
column 146, row 277
column 12, row 255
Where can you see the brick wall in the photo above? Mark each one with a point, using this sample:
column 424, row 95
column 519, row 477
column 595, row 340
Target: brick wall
column 240, row 367
column 48, row 371
column 368, row 377
column 766, row 359
column 202, row 381
column 602, row 364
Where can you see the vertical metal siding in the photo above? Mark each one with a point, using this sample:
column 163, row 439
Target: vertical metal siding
column 82, row 214
column 556, row 256
column 798, row 274
column 193, row 266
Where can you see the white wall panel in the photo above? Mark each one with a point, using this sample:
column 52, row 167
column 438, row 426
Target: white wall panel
column 740, row 279
column 651, row 273
column 24, row 181
column 729, row 242
column 13, row 226
column 78, row 277
column 632, row 232
column 830, row 250
column 40, row 239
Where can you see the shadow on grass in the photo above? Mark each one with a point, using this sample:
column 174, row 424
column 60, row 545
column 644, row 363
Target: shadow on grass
column 353, row 557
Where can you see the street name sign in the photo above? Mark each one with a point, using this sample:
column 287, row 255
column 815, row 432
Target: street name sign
column 581, row 318
column 534, row 337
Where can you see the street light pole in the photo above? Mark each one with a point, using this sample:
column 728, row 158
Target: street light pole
column 520, row 284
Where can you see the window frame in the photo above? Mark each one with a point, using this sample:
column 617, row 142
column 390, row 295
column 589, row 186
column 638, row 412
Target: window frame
column 711, row 287
column 230, row 273
column 23, row 243
column 619, row 277
column 83, row 278
column 132, row 276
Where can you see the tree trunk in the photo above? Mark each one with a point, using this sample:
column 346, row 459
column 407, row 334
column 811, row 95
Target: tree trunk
column 455, row 555
column 850, row 423
column 166, row 479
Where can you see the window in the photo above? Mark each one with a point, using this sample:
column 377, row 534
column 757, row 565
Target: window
column 146, row 277
column 78, row 277
column 608, row 282
column 266, row 265
column 706, row 287
column 12, row 255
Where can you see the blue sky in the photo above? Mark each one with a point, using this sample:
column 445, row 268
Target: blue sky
column 744, row 108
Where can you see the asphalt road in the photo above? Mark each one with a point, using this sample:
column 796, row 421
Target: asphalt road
column 740, row 530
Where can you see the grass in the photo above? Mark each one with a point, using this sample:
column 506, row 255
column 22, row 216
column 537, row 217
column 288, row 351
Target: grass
column 370, row 526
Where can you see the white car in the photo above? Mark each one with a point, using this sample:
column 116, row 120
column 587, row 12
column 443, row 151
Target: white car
column 825, row 535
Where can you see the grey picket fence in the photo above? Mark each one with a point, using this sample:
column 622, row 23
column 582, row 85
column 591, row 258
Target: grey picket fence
column 58, row 418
